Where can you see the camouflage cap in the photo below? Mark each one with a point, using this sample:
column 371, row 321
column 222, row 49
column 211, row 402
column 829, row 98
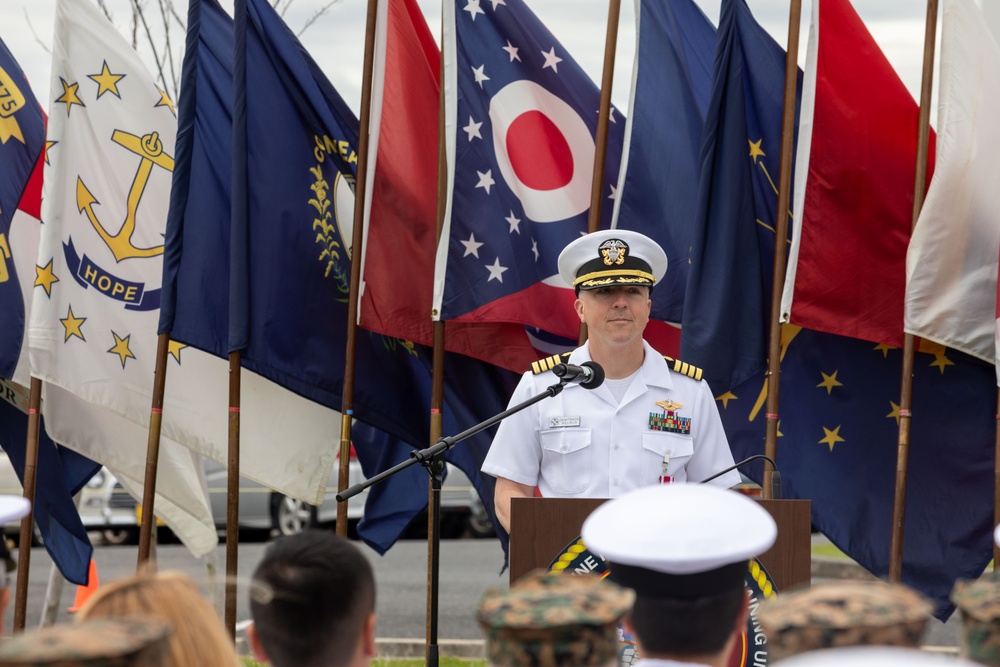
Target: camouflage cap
column 846, row 613
column 979, row 603
column 105, row 642
column 553, row 620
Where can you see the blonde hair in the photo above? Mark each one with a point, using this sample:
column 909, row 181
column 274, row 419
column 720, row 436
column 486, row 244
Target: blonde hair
column 198, row 636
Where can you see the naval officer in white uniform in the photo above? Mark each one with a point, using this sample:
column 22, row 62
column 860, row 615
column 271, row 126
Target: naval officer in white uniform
column 653, row 420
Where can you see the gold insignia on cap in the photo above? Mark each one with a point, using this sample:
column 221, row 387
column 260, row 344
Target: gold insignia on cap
column 614, row 251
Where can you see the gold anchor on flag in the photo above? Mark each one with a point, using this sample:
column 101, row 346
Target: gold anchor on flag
column 150, row 149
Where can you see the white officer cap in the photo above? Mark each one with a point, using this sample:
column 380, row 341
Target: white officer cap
column 679, row 540
column 872, row 656
column 611, row 258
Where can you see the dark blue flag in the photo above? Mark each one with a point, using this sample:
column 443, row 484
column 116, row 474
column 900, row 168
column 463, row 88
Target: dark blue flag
column 839, row 408
column 22, row 137
column 673, row 83
column 525, row 115
column 59, row 474
column 838, row 396
column 727, row 306
column 302, row 140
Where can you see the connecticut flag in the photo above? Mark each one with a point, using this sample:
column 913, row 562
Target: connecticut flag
column 520, row 120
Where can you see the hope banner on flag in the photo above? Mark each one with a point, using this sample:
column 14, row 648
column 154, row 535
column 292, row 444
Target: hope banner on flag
column 522, row 116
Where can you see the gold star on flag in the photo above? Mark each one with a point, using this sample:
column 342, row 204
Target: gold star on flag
column 45, row 277
column 755, row 151
column 48, row 145
column 940, row 361
column 73, row 325
column 174, row 350
column 894, row 413
column 69, row 96
column 832, row 437
column 884, row 349
column 121, row 348
column 164, row 101
column 725, row 398
column 106, row 81
column 829, row 382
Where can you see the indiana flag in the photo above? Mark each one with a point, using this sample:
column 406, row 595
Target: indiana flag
column 658, row 192
column 97, row 288
column 727, row 307
column 401, row 198
column 853, row 203
column 951, row 264
column 22, row 137
column 521, row 117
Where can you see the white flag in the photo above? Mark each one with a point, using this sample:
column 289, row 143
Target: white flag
column 109, row 151
column 951, row 264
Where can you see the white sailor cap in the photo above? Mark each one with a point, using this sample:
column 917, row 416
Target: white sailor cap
column 996, row 535
column 873, row 656
column 610, row 258
column 680, row 541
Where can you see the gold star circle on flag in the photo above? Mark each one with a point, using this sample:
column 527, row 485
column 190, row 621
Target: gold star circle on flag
column 106, row 81
column 45, row 277
column 73, row 326
column 69, row 96
column 121, row 348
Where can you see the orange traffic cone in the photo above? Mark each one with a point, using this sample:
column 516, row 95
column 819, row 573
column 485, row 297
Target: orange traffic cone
column 83, row 593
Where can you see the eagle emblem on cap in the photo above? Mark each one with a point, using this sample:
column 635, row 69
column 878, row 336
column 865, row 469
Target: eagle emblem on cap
column 614, row 251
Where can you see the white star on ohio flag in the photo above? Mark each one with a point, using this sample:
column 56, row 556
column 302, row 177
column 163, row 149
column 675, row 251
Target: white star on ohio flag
column 496, row 271
column 512, row 50
column 551, row 60
column 485, row 180
column 471, row 246
column 513, row 222
column 473, row 8
column 480, row 75
column 473, row 129
column 498, row 2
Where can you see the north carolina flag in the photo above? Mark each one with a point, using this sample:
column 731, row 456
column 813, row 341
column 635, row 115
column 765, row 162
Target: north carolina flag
column 853, row 201
column 520, row 118
column 951, row 265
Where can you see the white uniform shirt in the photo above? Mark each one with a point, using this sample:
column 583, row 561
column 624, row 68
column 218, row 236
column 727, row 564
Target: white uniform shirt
column 584, row 444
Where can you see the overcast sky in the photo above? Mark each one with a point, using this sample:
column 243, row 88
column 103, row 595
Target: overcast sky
column 336, row 40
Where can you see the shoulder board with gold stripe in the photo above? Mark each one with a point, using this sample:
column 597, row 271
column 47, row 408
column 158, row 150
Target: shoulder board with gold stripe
column 546, row 364
column 682, row 367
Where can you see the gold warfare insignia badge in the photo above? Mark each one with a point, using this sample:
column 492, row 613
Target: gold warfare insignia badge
column 613, row 251
column 669, row 420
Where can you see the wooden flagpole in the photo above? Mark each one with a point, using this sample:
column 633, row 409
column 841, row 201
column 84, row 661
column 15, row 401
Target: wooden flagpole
column 233, row 491
column 347, row 400
column 780, row 244
column 30, row 469
column 906, row 390
column 153, row 449
column 603, row 121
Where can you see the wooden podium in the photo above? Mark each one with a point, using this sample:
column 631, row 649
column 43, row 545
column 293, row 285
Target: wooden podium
column 542, row 527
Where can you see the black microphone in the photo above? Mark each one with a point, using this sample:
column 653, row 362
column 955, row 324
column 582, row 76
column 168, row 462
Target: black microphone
column 588, row 375
column 775, row 475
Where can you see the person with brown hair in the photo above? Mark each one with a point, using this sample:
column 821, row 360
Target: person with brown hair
column 313, row 603
column 198, row 636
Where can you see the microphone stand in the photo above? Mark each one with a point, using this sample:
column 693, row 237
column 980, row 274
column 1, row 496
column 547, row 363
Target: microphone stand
column 432, row 458
column 775, row 475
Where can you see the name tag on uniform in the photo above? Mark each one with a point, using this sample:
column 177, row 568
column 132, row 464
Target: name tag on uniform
column 563, row 422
